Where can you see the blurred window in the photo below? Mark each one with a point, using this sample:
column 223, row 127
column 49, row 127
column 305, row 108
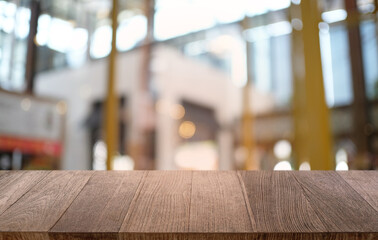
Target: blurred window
column 370, row 57
column 342, row 76
column 101, row 43
column 271, row 61
column 60, row 34
column 179, row 17
column 222, row 47
column 14, row 29
column 365, row 6
column 131, row 31
column 334, row 48
column 257, row 7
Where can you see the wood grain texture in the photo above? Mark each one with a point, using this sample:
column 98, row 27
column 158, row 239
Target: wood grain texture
column 336, row 203
column 365, row 183
column 13, row 185
column 250, row 236
column 192, row 236
column 24, row 236
column 40, row 208
column 83, row 236
column 218, row 203
column 100, row 207
column 161, row 203
column 278, row 203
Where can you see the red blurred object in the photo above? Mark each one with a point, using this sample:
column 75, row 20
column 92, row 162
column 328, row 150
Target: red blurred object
column 31, row 146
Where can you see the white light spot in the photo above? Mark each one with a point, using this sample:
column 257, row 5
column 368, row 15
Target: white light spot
column 8, row 22
column 283, row 166
column 44, row 22
column 342, row 160
column 123, row 163
column 79, row 39
column 22, row 22
column 99, row 156
column 282, row 149
column 197, row 156
column 305, row 166
column 60, row 35
column 342, row 166
column 130, row 32
column 334, row 16
column 101, row 42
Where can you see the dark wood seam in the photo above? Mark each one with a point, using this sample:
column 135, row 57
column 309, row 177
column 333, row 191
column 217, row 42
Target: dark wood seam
column 36, row 183
column 71, row 202
column 246, row 201
column 356, row 191
column 309, row 203
column 132, row 203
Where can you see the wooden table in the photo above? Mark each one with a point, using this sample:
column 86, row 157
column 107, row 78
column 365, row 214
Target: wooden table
column 188, row 205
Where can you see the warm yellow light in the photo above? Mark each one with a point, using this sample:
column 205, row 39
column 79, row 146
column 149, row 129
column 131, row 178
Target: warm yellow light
column 61, row 107
column 177, row 111
column 187, row 129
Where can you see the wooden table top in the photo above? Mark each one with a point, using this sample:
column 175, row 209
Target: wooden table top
column 188, row 205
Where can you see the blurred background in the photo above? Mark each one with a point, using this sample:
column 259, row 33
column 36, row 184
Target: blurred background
column 189, row 84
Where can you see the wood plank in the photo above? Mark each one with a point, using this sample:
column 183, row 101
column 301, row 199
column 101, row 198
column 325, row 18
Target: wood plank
column 278, row 203
column 83, row 235
column 24, row 236
column 365, row 183
column 195, row 236
column 15, row 184
column 161, row 204
column 100, row 207
column 251, row 236
column 188, row 205
column 40, row 208
column 338, row 205
column 218, row 203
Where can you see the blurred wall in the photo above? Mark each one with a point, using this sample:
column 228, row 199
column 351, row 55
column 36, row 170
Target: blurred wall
column 176, row 78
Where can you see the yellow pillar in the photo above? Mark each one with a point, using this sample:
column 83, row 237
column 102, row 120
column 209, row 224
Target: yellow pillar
column 111, row 104
column 319, row 138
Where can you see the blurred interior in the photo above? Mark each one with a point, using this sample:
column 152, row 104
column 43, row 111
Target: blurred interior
column 189, row 84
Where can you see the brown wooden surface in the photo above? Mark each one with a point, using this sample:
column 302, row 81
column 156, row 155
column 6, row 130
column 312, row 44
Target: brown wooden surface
column 365, row 183
column 41, row 207
column 217, row 203
column 161, row 204
column 278, row 203
column 102, row 204
column 336, row 203
column 15, row 184
column 188, row 205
